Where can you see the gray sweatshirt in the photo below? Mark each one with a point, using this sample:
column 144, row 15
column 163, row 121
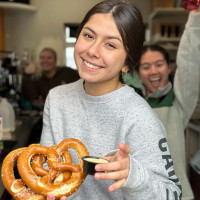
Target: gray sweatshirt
column 101, row 123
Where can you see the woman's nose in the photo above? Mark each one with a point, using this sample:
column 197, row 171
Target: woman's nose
column 43, row 59
column 153, row 70
column 94, row 50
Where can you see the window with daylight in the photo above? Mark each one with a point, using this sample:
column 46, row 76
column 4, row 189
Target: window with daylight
column 70, row 39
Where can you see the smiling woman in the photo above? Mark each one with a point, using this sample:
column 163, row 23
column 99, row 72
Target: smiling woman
column 35, row 88
column 154, row 68
column 107, row 115
column 100, row 54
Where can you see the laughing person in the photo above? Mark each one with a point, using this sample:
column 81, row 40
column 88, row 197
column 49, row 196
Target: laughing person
column 174, row 102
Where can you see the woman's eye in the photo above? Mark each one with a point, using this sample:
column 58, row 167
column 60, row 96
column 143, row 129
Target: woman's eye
column 88, row 36
column 159, row 65
column 110, row 45
column 146, row 67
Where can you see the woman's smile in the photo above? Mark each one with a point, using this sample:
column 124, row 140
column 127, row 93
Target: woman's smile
column 90, row 66
column 155, row 81
column 100, row 53
column 153, row 71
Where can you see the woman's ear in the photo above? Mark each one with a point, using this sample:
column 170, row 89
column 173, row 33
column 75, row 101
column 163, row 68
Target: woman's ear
column 125, row 69
column 169, row 68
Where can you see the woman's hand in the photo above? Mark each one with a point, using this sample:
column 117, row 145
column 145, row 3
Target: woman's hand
column 51, row 197
column 117, row 169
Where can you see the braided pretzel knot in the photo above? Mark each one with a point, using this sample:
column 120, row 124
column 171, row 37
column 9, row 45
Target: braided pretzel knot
column 61, row 179
column 39, row 160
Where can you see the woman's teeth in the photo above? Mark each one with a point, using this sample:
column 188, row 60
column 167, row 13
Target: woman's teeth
column 154, row 79
column 91, row 66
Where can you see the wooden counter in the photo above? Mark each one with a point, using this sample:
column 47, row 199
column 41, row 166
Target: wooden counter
column 22, row 136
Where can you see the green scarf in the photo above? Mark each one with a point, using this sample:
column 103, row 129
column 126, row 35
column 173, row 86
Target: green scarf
column 164, row 101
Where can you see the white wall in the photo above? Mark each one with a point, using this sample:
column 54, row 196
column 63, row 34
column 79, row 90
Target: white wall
column 45, row 27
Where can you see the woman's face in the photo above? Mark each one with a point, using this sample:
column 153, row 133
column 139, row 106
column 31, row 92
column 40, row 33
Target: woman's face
column 99, row 51
column 47, row 61
column 153, row 71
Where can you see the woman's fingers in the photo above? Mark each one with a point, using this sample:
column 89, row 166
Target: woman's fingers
column 122, row 153
column 63, row 198
column 115, row 175
column 117, row 185
column 51, row 197
column 117, row 169
column 124, row 149
column 112, row 166
column 118, row 162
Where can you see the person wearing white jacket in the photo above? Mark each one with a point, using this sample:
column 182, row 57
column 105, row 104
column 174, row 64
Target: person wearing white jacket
column 174, row 102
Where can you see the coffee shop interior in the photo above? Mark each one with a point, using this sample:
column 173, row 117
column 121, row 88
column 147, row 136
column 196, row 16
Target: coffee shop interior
column 28, row 26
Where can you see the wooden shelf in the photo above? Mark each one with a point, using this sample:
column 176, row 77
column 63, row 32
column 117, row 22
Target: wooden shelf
column 170, row 47
column 168, row 11
column 17, row 7
column 169, row 17
column 165, row 39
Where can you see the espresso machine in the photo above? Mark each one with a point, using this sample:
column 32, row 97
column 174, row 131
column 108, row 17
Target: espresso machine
column 10, row 79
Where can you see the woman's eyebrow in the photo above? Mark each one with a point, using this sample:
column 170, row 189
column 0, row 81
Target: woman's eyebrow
column 148, row 63
column 161, row 60
column 109, row 37
column 88, row 28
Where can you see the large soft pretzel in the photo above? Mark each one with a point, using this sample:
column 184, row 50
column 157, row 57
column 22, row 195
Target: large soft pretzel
column 16, row 187
column 61, row 178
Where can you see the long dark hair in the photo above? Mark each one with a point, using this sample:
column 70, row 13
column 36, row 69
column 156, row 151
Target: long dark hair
column 129, row 23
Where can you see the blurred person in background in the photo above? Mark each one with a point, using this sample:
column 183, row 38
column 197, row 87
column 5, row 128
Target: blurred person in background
column 35, row 88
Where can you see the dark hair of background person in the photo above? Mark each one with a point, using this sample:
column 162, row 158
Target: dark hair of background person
column 158, row 48
column 129, row 23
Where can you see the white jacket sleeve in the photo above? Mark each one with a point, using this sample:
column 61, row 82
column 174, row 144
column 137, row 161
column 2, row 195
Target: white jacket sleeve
column 186, row 82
